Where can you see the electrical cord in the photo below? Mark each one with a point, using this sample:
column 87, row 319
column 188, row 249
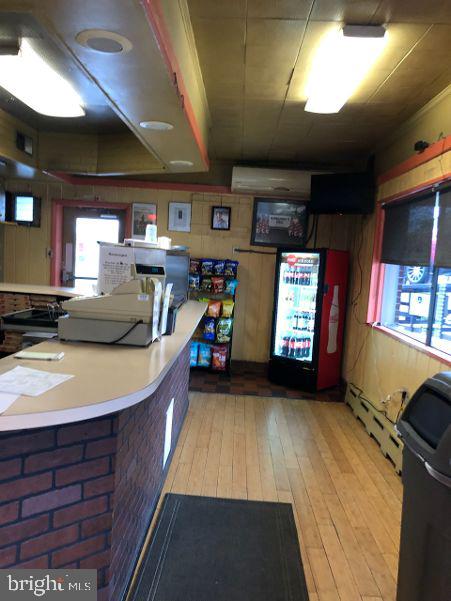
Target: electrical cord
column 137, row 323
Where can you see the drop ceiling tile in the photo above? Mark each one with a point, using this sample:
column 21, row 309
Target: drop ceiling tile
column 268, row 91
column 414, row 11
column 217, row 10
column 345, row 10
column 279, row 9
column 274, row 33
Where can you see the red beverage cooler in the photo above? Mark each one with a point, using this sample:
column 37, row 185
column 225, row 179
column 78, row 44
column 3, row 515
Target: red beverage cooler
column 308, row 318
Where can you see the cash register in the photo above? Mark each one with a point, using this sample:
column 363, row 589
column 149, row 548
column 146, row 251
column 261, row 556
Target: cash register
column 129, row 315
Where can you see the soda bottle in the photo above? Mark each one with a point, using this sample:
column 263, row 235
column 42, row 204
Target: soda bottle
column 284, row 347
column 292, row 347
column 298, row 348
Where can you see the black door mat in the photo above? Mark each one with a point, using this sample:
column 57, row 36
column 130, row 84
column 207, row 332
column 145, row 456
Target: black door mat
column 208, row 549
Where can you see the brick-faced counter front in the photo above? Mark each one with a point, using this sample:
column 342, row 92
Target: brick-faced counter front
column 82, row 495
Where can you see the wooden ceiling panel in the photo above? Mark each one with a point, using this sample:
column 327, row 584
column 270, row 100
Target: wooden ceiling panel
column 278, row 9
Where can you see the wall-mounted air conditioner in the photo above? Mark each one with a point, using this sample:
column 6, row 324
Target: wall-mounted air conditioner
column 277, row 183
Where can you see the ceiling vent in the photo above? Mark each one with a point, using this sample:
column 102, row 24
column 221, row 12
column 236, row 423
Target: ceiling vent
column 278, row 183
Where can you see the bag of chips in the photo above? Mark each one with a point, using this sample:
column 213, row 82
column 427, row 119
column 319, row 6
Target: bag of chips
column 227, row 308
column 214, row 308
column 217, row 285
column 194, row 281
column 218, row 267
column 204, row 358
column 209, row 328
column 194, row 265
column 194, row 350
column 206, row 284
column 230, row 286
column 224, row 329
column 206, row 266
column 219, row 357
column 231, row 268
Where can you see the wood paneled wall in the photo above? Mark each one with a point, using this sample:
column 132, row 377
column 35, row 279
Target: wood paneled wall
column 27, row 260
column 373, row 361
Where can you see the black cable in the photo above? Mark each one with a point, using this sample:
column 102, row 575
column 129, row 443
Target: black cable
column 137, row 323
column 316, row 230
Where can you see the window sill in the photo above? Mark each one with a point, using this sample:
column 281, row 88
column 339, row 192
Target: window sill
column 419, row 346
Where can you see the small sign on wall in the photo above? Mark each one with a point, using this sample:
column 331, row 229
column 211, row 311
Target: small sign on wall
column 179, row 219
column 168, row 432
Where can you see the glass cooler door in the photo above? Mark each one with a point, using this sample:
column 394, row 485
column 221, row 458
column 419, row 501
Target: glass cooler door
column 296, row 305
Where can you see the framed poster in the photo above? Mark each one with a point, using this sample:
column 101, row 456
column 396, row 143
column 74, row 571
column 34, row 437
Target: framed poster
column 143, row 215
column 179, row 217
column 279, row 223
column 220, row 218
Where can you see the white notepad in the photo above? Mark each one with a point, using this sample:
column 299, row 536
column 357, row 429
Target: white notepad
column 31, row 382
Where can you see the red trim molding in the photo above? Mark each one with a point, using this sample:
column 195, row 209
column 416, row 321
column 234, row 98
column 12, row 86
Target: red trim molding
column 135, row 183
column 155, row 17
column 432, row 152
column 57, row 214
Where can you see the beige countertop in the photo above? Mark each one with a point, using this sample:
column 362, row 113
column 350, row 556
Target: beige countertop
column 107, row 378
column 35, row 289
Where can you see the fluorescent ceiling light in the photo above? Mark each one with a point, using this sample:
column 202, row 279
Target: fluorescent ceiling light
column 157, row 125
column 181, row 163
column 33, row 81
column 341, row 63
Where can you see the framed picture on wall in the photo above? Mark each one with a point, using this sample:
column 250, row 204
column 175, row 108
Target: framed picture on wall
column 220, row 218
column 279, row 223
column 179, row 217
column 143, row 215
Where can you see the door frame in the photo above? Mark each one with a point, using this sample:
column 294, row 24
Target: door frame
column 56, row 239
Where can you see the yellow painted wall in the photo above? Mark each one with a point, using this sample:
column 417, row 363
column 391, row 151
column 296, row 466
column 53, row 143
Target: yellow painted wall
column 26, row 249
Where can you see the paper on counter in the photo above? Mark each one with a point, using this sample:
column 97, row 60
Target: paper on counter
column 6, row 400
column 31, row 382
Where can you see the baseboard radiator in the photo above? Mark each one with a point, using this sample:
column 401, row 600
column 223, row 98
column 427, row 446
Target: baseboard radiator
column 381, row 429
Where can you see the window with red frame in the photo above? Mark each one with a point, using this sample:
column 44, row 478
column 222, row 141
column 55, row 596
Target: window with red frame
column 416, row 253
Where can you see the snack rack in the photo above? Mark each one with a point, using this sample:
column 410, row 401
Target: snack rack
column 202, row 295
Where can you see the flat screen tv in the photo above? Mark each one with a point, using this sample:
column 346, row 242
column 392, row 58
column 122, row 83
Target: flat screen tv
column 342, row 193
column 23, row 209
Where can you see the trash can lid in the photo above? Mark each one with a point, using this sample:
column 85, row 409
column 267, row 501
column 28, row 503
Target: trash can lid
column 425, row 424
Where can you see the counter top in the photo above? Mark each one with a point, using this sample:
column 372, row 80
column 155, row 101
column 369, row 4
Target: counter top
column 107, row 378
column 35, row 289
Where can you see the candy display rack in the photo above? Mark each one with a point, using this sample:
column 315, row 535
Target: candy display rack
column 210, row 295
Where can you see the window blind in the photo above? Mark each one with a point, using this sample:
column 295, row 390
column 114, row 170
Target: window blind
column 407, row 238
column 443, row 248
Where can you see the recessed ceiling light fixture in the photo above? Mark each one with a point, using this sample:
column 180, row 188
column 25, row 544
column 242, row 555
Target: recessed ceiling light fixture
column 343, row 59
column 157, row 125
column 181, row 163
column 29, row 78
column 106, row 42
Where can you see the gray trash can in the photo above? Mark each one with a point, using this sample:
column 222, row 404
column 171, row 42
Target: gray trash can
column 425, row 552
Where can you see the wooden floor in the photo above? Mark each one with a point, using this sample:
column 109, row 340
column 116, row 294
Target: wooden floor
column 346, row 497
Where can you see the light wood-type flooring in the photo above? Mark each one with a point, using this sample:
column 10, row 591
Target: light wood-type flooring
column 345, row 495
